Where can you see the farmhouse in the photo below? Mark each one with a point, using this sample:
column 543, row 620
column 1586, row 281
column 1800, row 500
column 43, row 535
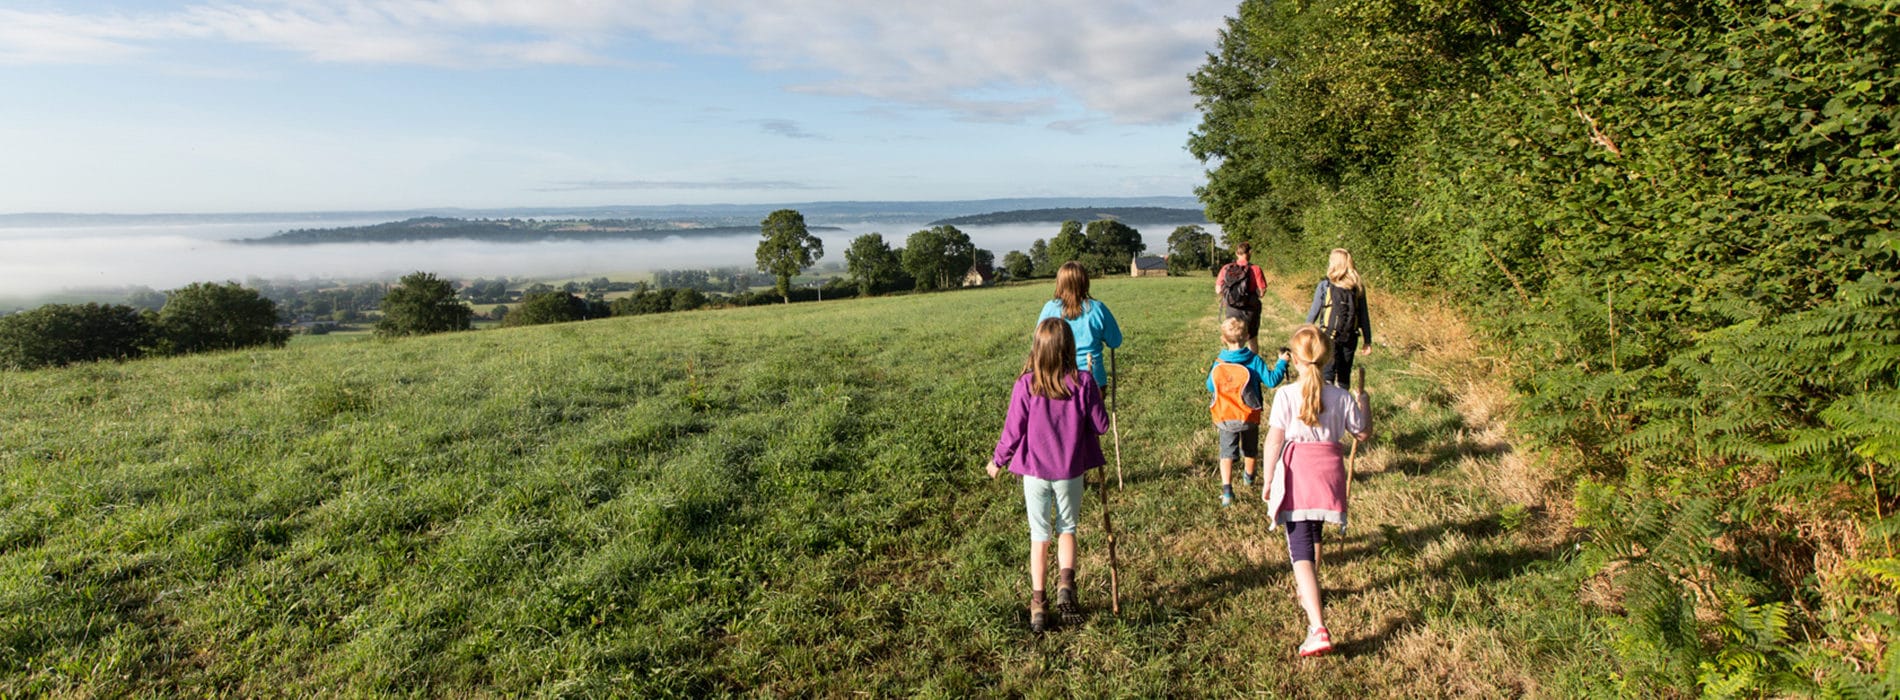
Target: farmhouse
column 979, row 276
column 1148, row 266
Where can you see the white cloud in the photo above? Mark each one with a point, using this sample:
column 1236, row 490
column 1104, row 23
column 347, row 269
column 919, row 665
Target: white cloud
column 988, row 60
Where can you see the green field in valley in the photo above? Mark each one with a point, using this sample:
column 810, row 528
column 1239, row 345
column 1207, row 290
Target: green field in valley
column 774, row 500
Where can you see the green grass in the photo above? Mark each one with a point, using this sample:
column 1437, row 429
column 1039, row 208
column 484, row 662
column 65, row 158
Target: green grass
column 780, row 500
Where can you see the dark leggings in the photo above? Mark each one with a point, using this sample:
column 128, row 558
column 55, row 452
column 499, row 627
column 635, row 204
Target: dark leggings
column 1301, row 537
column 1338, row 371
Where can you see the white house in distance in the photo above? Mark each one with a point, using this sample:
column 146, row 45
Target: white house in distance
column 979, row 276
column 1148, row 266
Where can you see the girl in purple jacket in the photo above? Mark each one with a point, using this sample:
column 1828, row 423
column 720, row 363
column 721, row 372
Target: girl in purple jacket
column 1052, row 437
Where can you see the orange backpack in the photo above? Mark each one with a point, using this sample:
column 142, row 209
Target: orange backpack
column 1236, row 395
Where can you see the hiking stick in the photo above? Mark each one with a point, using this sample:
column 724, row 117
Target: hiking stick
column 1114, row 419
column 1114, row 566
column 1352, row 457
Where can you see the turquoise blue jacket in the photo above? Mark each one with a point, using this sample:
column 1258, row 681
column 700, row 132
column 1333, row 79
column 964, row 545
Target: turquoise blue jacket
column 1269, row 378
column 1093, row 329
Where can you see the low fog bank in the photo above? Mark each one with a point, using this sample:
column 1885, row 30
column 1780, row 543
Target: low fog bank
column 38, row 262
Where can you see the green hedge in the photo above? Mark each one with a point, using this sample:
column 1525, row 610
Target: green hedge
column 1678, row 218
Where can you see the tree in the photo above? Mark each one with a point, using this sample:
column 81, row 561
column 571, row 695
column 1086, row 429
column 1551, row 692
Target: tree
column 1109, row 246
column 1017, row 265
column 547, row 307
column 872, row 263
column 205, row 316
column 938, row 257
column 1039, row 265
column 923, row 257
column 1190, row 248
column 1068, row 244
column 687, row 299
column 983, row 259
column 61, row 334
column 421, row 304
column 787, row 247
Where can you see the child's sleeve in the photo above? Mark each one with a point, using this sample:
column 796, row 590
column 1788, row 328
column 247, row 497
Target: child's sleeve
column 1357, row 422
column 1272, row 378
column 1015, row 426
column 1111, row 331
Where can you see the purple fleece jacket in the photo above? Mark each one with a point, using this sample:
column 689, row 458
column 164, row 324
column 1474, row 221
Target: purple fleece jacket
column 1054, row 439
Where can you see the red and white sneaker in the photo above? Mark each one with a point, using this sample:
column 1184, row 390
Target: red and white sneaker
column 1317, row 643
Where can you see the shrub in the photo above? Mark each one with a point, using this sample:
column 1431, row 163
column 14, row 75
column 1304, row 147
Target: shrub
column 62, row 334
column 420, row 304
column 205, row 316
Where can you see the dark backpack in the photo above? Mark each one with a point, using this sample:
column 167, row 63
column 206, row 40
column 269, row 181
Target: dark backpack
column 1338, row 312
column 1236, row 287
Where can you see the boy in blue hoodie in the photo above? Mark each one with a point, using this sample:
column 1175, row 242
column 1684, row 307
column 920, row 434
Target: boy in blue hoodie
column 1238, row 380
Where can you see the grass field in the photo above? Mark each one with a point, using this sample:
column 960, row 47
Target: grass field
column 774, row 500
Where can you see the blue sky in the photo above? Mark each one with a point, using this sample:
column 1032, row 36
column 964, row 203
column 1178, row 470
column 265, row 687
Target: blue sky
column 269, row 105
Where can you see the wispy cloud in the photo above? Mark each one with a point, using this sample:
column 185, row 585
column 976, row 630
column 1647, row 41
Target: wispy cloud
column 786, row 128
column 1127, row 59
column 586, row 185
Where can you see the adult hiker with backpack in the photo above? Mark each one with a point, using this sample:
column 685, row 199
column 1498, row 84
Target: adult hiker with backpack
column 1339, row 309
column 1239, row 286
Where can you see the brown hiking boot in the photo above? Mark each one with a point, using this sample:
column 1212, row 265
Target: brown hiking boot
column 1038, row 616
column 1066, row 605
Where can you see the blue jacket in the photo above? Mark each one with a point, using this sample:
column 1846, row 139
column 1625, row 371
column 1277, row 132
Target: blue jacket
column 1093, row 329
column 1255, row 364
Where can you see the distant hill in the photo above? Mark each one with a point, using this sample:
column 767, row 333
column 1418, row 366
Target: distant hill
column 1133, row 216
column 435, row 228
column 708, row 214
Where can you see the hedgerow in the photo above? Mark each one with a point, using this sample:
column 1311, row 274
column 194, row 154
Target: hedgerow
column 1677, row 219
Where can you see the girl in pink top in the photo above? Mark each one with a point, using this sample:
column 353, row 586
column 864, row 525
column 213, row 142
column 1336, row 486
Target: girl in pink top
column 1308, row 486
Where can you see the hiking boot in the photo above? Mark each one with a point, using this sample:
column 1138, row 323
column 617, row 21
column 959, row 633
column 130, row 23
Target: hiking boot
column 1318, row 642
column 1226, row 499
column 1246, row 478
column 1066, row 605
column 1038, row 617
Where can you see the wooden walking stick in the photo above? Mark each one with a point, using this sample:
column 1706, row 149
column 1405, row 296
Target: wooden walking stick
column 1114, row 418
column 1352, row 455
column 1114, row 566
column 1108, row 524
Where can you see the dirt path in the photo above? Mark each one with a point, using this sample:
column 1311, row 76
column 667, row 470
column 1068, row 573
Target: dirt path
column 1448, row 524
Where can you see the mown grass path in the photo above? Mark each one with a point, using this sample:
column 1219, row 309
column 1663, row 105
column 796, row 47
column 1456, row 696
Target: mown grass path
column 784, row 500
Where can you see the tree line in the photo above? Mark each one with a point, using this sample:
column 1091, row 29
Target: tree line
column 1676, row 220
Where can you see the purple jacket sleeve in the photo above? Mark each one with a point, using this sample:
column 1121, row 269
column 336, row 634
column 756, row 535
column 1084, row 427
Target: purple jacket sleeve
column 1015, row 426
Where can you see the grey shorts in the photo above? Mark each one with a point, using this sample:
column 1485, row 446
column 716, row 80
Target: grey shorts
column 1240, row 443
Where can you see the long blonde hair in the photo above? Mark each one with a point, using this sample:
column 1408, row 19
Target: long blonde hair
column 1072, row 287
column 1051, row 359
column 1340, row 271
column 1310, row 350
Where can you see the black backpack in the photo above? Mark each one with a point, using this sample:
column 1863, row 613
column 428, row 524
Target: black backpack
column 1338, row 312
column 1236, row 287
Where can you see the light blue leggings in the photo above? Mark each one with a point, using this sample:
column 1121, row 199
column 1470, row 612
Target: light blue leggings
column 1067, row 499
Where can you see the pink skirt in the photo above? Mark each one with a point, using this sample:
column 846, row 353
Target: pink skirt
column 1313, row 481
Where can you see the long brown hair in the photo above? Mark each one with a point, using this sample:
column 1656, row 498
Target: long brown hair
column 1051, row 359
column 1072, row 287
column 1310, row 350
